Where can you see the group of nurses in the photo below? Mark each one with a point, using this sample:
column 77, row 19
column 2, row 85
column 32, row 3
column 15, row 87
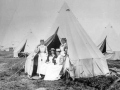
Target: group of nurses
column 51, row 65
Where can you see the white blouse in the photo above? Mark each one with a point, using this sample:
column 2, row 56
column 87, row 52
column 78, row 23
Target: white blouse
column 43, row 49
column 51, row 59
column 62, row 47
column 60, row 60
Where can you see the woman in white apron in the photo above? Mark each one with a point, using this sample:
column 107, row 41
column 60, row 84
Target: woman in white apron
column 67, row 66
column 51, row 56
column 42, row 49
column 63, row 46
column 53, row 71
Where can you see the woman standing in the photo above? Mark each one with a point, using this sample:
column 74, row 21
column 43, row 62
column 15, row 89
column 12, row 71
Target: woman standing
column 42, row 49
column 68, row 69
column 63, row 46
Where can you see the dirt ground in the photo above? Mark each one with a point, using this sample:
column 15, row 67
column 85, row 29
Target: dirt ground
column 10, row 80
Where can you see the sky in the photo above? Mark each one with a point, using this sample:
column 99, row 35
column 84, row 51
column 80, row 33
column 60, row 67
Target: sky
column 18, row 17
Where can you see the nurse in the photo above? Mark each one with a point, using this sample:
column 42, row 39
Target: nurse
column 53, row 71
column 51, row 57
column 63, row 46
column 43, row 53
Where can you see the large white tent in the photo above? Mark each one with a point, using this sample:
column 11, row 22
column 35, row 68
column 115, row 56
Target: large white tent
column 31, row 42
column 112, row 43
column 24, row 15
column 84, row 55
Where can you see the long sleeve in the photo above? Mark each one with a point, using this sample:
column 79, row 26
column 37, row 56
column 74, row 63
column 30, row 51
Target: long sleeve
column 36, row 49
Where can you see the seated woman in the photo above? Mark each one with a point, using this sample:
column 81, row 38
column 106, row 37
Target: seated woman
column 51, row 57
column 53, row 71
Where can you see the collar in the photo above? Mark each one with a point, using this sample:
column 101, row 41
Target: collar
column 42, row 45
column 63, row 44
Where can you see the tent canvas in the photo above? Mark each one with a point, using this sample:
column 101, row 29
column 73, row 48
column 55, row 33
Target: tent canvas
column 29, row 46
column 84, row 55
column 112, row 43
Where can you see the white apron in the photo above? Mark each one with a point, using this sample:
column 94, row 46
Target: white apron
column 68, row 67
column 51, row 60
column 42, row 60
column 53, row 71
column 62, row 48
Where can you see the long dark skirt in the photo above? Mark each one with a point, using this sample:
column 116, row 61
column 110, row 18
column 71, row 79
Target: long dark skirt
column 35, row 65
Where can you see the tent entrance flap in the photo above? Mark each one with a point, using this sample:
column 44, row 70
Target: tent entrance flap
column 103, row 46
column 53, row 41
column 23, row 48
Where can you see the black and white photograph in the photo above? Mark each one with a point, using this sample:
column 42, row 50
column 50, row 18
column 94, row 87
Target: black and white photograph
column 59, row 44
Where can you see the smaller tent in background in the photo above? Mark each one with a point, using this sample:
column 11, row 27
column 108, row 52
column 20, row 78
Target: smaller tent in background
column 109, row 43
column 21, row 52
column 28, row 44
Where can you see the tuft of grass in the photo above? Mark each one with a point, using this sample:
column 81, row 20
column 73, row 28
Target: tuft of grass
column 114, row 63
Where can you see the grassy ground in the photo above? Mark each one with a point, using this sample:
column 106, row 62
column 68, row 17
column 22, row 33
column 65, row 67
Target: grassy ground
column 114, row 63
column 6, row 54
column 19, row 81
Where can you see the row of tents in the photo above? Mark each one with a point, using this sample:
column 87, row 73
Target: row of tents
column 88, row 58
column 108, row 43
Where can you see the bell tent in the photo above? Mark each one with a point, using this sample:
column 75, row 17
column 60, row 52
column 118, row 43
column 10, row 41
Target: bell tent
column 83, row 53
column 28, row 44
column 110, row 41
